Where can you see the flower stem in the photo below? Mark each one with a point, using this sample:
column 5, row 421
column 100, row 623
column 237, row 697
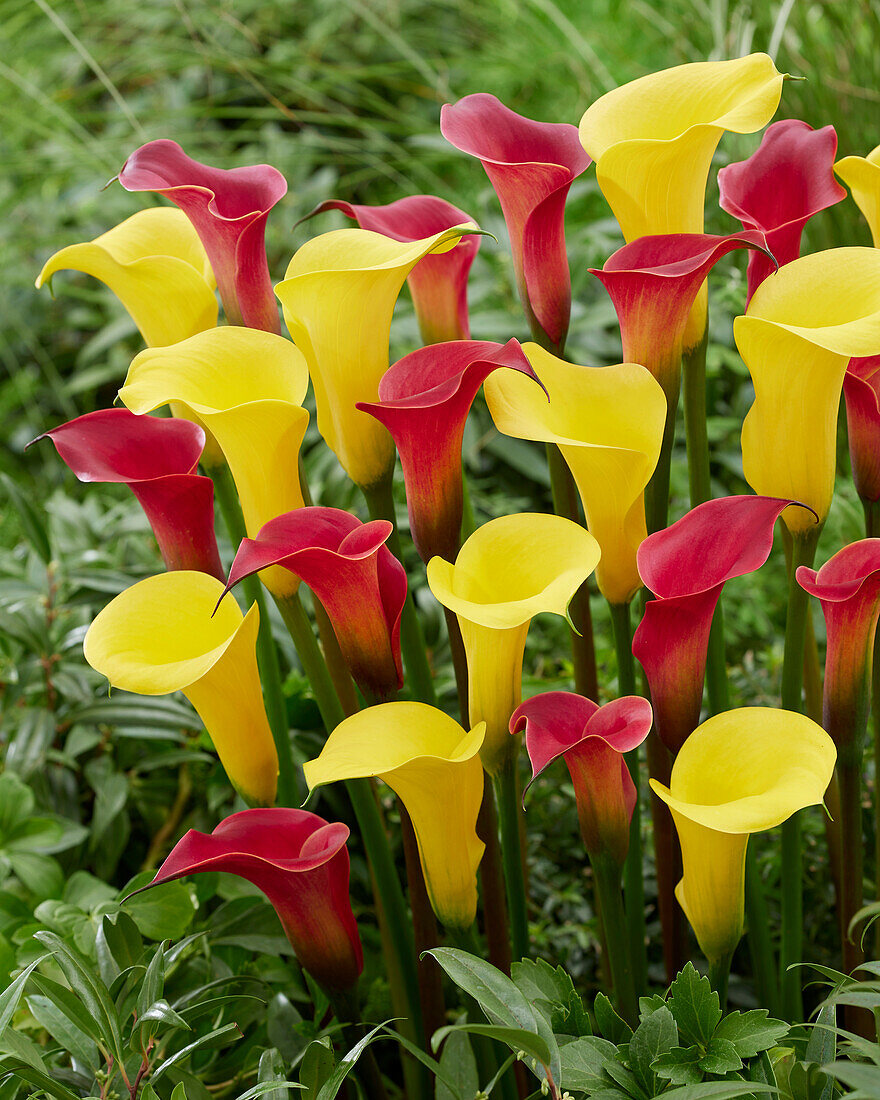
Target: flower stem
column 290, row 790
column 380, row 504
column 495, row 920
column 634, row 887
column 507, row 798
column 719, row 974
column 657, row 491
column 694, row 377
column 667, row 860
column 849, row 772
column 790, row 950
column 760, row 944
column 606, row 874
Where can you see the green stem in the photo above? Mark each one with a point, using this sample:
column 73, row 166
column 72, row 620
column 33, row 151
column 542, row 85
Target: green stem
column 694, row 377
column 719, row 974
column 791, row 945
column 849, row 771
column 290, row 791
column 716, row 664
column 760, row 944
column 380, row 504
column 346, row 1010
column 634, row 886
column 495, row 920
column 507, row 799
column 606, row 874
column 657, row 491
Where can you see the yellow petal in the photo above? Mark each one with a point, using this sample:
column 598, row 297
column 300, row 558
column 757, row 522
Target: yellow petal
column 160, row 636
column 246, row 387
column 432, row 765
column 862, row 177
column 338, row 297
column 802, row 326
column 155, row 264
column 608, row 423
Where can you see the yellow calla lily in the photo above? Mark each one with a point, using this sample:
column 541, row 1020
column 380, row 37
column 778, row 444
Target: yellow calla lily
column 653, row 141
column 161, row 635
column 509, row 570
column 246, row 386
column 862, row 176
column 740, row 772
column 432, row 765
column 156, row 266
column 608, row 424
column 802, row 326
column 338, row 297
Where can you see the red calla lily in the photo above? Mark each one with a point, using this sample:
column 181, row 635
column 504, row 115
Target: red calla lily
column 424, row 400
column 438, row 283
column 355, row 576
column 300, row 863
column 686, row 567
column 228, row 209
column 156, row 458
column 861, row 392
column 787, row 180
column 531, row 165
column 592, row 740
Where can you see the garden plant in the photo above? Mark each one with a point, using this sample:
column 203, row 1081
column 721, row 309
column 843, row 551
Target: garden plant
column 366, row 715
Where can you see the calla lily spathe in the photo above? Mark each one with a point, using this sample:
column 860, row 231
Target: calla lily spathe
column 862, row 177
column 338, row 297
column 156, row 266
column 161, row 635
column 653, row 141
column 786, row 181
column 246, row 387
column 608, row 424
column 531, row 165
column 228, row 209
column 438, row 282
column 359, row 582
column 156, row 458
column 740, row 772
column 301, row 864
column 861, row 393
column 508, row 571
column 433, row 766
column 800, row 330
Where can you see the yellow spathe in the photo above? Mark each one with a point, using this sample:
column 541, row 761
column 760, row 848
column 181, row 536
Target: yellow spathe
column 509, row 570
column 608, row 424
column 653, row 141
column 246, row 387
column 161, row 635
column 740, row 772
column 802, row 326
column 862, row 176
column 156, row 266
column 432, row 764
column 338, row 297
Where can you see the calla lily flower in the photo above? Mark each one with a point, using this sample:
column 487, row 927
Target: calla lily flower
column 531, row 165
column 848, row 587
column 509, row 570
column 338, row 297
column 861, row 393
column 653, row 284
column 592, row 740
column 787, row 180
column 740, row 772
column 862, row 177
column 156, row 266
column 300, row 863
column 156, row 458
column 608, row 424
column 432, row 765
column 801, row 328
column 246, row 387
column 360, row 583
column 424, row 400
column 686, row 566
column 438, row 283
column 653, row 141
column 160, row 636
column 228, row 209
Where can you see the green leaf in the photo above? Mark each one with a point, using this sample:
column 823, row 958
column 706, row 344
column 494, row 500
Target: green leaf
column 12, row 994
column 71, row 1005
column 706, row 1090
column 42, row 1081
column 154, row 982
column 118, row 945
column 695, row 1006
column 571, row 1018
column 647, row 1005
column 516, row 1038
column 751, row 1032
column 348, row 1061
column 493, row 991
column 807, row 1081
column 720, row 1057
column 316, row 1067
column 822, row 1045
column 270, row 1071
column 162, row 1013
column 227, row 1031
column 458, row 1066
column 582, row 1062
column 680, row 1065
column 179, row 1092
column 856, row 1075
column 612, row 1026
column 63, row 1030
column 656, row 1034
column 17, row 1045
column 537, row 980
column 162, row 913
column 42, row 875
column 33, row 523
column 626, row 1079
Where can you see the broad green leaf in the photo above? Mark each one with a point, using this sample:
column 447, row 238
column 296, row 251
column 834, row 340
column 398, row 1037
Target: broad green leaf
column 316, row 1066
column 517, row 1038
column 612, row 1026
column 154, row 981
column 707, row 1090
column 11, row 996
column 41, row 874
column 270, row 1072
column 118, row 945
column 269, row 1089
column 458, row 1066
column 807, row 1081
column 657, row 1034
column 63, row 1030
column 17, row 1045
column 16, row 803
column 179, row 1092
column 33, row 522
column 162, row 913
column 537, row 979
column 346, row 1064
column 225, row 1032
column 41, row 1081
column 161, row 1012
column 582, row 1063
column 822, row 1045
column 70, row 1005
column 626, row 1079
column 856, row 1075
column 720, row 1057
column 680, row 1065
column 695, row 1006
column 751, row 1032
column 494, row 992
